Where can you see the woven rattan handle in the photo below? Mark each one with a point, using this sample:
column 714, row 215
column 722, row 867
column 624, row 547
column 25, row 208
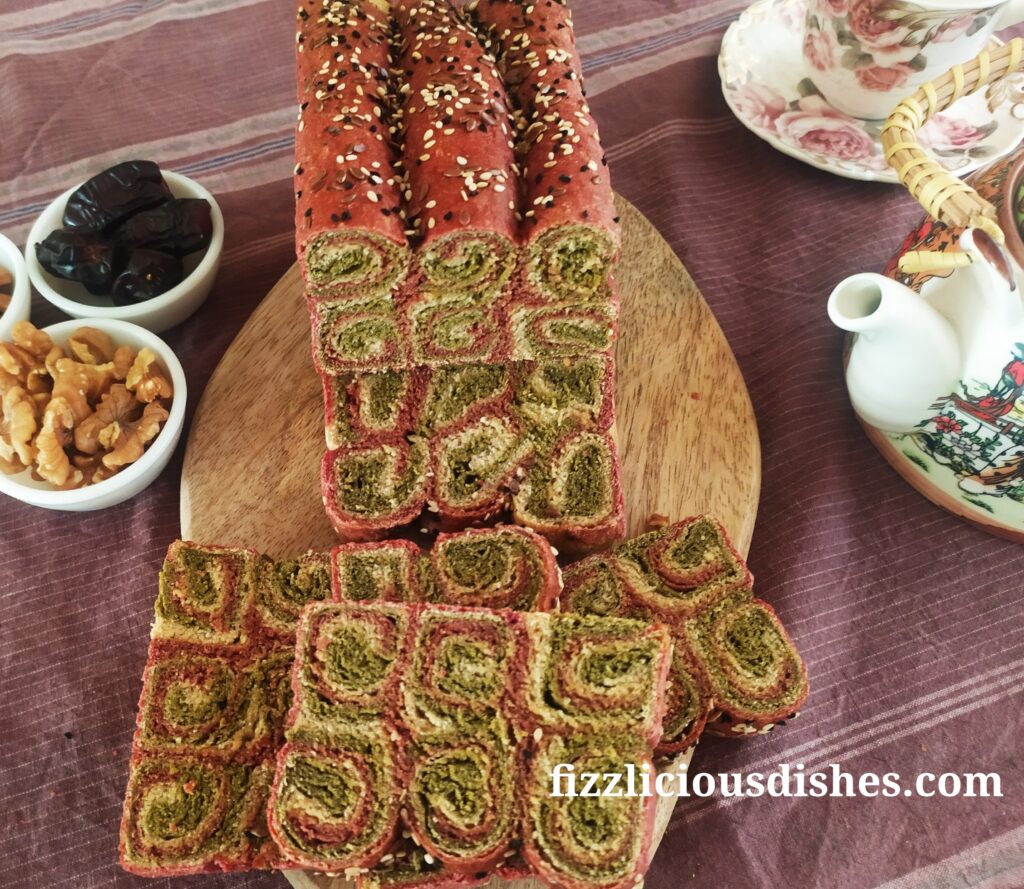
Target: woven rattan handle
column 945, row 197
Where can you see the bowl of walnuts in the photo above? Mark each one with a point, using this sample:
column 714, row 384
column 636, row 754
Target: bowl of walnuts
column 90, row 412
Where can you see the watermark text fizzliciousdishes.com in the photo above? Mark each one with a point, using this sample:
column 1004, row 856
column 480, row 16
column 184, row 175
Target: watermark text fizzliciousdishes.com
column 785, row 781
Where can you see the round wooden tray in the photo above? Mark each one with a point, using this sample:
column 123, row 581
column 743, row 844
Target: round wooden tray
column 686, row 427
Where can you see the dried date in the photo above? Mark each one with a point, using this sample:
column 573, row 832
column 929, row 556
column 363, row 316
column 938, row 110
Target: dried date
column 147, row 274
column 179, row 227
column 114, row 195
column 79, row 256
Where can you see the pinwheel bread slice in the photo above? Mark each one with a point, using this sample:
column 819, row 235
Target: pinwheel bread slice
column 190, row 813
column 349, row 220
column 501, row 567
column 333, row 805
column 370, row 408
column 212, row 701
column 457, row 150
column 455, row 328
column 216, row 689
column 570, row 227
column 565, row 330
column 735, row 669
column 280, row 590
column 585, row 674
column 757, row 677
column 349, row 663
column 476, row 465
column 573, row 494
column 559, row 393
column 457, row 393
column 386, row 571
column 461, row 799
column 204, row 594
column 599, row 842
column 370, row 490
column 460, row 672
column 358, row 334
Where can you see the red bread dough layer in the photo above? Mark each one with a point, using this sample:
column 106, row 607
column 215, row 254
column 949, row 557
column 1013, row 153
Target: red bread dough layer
column 346, row 182
column 565, row 176
column 458, row 136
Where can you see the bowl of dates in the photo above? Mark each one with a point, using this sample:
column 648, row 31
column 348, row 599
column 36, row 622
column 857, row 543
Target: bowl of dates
column 133, row 243
column 15, row 294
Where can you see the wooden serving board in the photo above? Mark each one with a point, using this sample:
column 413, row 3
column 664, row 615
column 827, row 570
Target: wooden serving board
column 686, row 428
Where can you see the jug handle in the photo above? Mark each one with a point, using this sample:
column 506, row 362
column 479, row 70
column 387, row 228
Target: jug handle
column 943, row 196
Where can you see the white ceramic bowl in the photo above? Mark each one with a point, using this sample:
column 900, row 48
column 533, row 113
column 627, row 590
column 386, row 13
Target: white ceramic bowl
column 156, row 314
column 21, row 297
column 138, row 475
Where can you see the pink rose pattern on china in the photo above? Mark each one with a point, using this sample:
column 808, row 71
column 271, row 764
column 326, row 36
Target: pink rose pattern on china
column 954, row 29
column 817, row 127
column 813, row 126
column 947, row 135
column 797, row 115
column 883, row 79
column 876, row 24
column 881, row 41
column 759, row 104
column 820, row 48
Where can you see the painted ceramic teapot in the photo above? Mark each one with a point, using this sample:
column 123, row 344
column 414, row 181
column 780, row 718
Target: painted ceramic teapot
column 935, row 360
column 945, row 364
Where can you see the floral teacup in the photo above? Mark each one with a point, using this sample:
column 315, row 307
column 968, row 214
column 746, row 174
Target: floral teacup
column 864, row 56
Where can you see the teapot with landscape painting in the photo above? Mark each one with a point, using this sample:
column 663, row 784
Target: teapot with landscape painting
column 935, row 356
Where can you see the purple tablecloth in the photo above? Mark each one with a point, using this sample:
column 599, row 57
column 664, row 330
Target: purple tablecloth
column 911, row 622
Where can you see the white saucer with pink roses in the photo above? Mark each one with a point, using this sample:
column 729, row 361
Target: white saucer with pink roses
column 781, row 59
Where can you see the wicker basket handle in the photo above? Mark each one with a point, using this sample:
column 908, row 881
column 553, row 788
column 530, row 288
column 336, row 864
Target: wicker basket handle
column 943, row 196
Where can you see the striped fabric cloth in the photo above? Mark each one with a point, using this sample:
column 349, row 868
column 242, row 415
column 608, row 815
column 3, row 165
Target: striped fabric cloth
column 911, row 622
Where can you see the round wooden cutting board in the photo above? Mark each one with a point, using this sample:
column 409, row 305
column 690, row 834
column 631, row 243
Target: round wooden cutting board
column 686, row 428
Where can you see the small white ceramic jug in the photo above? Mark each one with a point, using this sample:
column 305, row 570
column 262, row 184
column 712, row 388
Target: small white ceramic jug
column 958, row 352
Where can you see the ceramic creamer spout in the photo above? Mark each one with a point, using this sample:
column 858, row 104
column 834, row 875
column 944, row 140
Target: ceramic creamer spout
column 905, row 356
